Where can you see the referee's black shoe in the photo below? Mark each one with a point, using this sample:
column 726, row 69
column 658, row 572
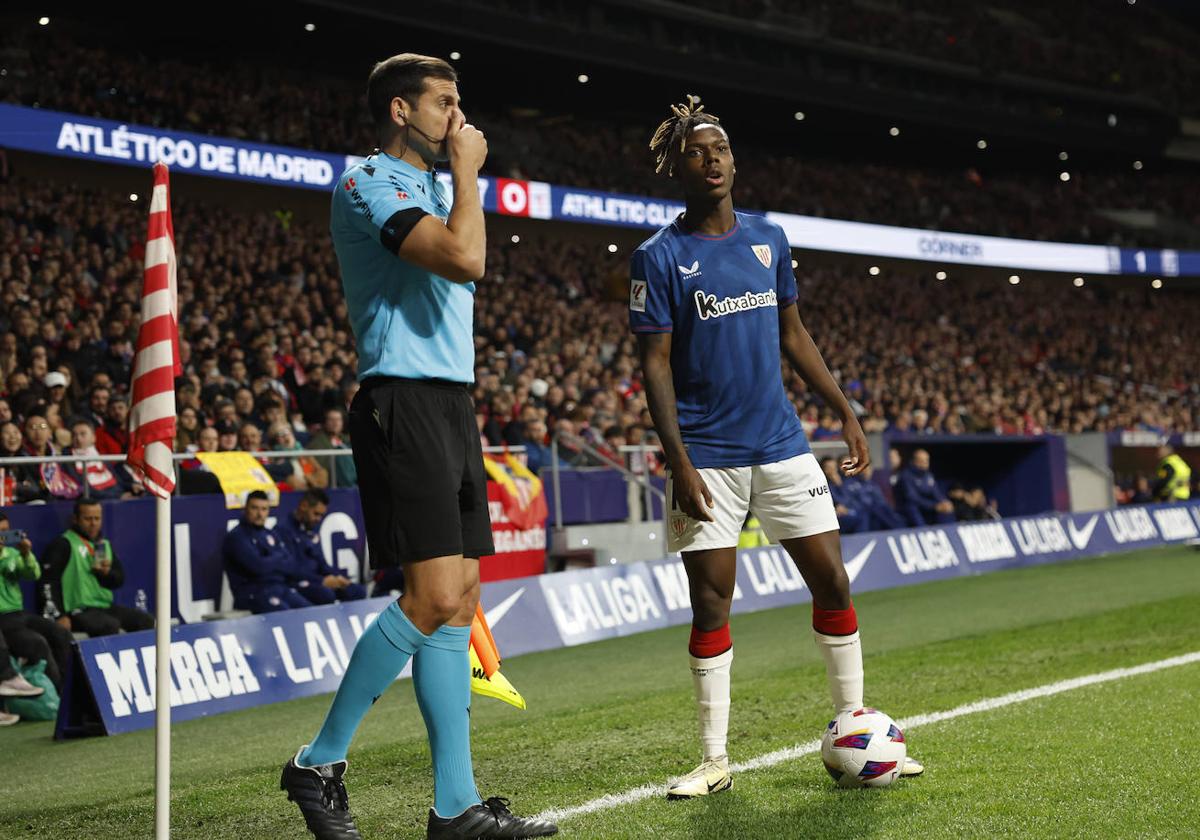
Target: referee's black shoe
column 322, row 798
column 490, row 818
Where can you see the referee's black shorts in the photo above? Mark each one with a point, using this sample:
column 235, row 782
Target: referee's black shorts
column 420, row 470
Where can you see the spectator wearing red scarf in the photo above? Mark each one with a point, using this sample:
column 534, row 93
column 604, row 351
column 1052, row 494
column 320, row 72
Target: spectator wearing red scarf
column 113, row 437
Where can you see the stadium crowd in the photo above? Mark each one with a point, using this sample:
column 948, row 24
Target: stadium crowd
column 269, row 358
column 305, row 110
column 1069, row 41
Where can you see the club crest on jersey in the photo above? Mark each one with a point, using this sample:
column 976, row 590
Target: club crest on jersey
column 694, row 271
column 637, row 295
column 678, row 524
column 763, row 252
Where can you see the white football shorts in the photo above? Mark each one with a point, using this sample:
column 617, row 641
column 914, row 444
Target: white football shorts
column 790, row 498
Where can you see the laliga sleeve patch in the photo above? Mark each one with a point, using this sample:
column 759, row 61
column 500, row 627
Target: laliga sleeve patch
column 637, row 295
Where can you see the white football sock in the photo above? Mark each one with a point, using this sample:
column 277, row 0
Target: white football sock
column 711, row 679
column 843, row 668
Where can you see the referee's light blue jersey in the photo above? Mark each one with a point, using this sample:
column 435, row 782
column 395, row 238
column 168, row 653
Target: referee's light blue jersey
column 407, row 320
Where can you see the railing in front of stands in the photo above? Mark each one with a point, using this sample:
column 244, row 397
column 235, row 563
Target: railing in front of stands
column 289, row 454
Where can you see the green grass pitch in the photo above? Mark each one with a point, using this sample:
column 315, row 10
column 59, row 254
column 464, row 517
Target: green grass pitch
column 1113, row 760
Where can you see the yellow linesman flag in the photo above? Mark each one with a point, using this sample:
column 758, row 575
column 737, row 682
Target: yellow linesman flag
column 486, row 678
column 497, row 685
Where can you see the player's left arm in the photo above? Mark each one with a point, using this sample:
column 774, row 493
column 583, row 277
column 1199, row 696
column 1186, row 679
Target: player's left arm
column 802, row 353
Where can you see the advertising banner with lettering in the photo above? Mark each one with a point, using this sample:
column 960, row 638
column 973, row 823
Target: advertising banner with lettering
column 89, row 138
column 604, row 602
column 198, row 528
column 224, row 665
column 221, row 666
column 1152, row 440
column 520, row 551
column 55, row 133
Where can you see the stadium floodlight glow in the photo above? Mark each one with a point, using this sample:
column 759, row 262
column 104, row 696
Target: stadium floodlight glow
column 894, row 131
column 1137, row 164
column 515, row 239
column 310, row 27
column 941, row 275
column 583, row 78
column 1014, row 279
column 44, row 21
column 1063, row 156
column 1112, row 120
column 133, row 196
column 612, row 248
column 1078, row 281
column 1156, row 283
column 455, row 55
column 1064, row 176
column 799, row 115
column 873, row 271
column 981, row 144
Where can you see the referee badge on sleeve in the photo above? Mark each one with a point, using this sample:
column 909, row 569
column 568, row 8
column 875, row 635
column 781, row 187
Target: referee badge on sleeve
column 637, row 295
column 763, row 252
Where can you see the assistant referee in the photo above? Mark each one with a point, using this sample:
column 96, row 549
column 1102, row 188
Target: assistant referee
column 409, row 261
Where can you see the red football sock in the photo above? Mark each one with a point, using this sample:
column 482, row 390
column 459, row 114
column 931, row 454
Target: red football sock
column 705, row 644
column 835, row 622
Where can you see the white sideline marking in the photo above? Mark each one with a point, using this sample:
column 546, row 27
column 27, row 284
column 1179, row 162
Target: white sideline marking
column 637, row 794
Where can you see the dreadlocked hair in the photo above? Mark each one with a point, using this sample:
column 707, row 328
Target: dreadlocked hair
column 671, row 136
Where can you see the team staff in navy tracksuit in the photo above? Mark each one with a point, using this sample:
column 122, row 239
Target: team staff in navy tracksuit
column 918, row 496
column 259, row 565
column 849, row 516
column 877, row 514
column 300, row 532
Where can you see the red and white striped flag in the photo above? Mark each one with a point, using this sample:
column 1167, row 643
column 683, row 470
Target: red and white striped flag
column 152, row 413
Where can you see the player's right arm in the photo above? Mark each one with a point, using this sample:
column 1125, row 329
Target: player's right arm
column 650, row 318
column 453, row 249
column 690, row 491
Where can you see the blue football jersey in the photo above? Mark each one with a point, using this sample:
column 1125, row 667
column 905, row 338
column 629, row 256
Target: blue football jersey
column 719, row 297
column 407, row 321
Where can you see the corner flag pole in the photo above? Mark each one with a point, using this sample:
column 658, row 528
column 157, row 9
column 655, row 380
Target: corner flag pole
column 162, row 680
column 151, row 436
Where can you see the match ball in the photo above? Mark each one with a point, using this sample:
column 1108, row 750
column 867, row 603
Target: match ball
column 863, row 748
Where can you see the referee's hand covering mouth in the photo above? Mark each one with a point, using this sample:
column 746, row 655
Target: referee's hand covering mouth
column 465, row 145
